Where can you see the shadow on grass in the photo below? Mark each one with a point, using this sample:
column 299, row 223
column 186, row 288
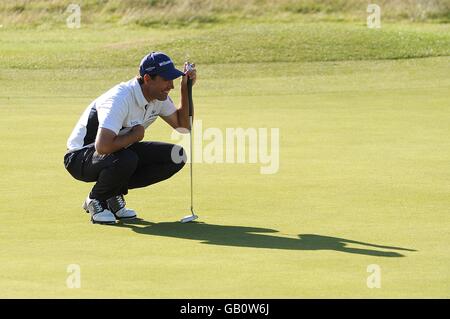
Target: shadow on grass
column 242, row 236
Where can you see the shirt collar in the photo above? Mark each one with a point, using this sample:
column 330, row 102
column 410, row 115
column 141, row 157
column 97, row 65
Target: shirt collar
column 140, row 98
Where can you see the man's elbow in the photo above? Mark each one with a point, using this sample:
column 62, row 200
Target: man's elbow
column 183, row 129
column 102, row 149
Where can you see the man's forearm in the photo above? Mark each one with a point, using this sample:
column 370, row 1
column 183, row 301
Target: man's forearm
column 183, row 111
column 108, row 143
column 118, row 143
column 122, row 141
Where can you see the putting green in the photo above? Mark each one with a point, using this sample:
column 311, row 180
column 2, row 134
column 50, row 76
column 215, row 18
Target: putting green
column 363, row 179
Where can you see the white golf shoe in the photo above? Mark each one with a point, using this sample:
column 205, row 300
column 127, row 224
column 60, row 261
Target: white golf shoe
column 117, row 204
column 99, row 214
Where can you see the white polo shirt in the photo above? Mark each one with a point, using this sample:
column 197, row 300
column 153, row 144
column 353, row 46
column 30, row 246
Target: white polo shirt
column 118, row 110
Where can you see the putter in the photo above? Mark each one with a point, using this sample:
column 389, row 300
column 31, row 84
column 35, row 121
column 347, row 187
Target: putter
column 191, row 217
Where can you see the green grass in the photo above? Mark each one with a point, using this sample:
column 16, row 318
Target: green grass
column 181, row 13
column 363, row 160
column 245, row 43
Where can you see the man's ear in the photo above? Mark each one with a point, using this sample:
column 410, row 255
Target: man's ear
column 147, row 78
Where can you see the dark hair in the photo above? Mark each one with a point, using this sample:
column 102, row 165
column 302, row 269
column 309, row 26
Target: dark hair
column 141, row 78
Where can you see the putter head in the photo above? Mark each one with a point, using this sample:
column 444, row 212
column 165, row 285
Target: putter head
column 189, row 218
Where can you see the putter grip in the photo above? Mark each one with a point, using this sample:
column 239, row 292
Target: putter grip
column 189, row 88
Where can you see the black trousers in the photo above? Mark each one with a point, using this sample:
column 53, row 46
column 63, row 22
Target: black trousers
column 139, row 165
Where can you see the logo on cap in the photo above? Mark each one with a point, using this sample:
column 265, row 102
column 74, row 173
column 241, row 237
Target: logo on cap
column 165, row 62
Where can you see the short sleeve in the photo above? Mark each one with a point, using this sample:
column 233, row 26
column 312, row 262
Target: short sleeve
column 112, row 113
column 168, row 108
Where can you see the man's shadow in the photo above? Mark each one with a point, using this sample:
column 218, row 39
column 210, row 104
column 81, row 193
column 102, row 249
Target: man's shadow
column 242, row 236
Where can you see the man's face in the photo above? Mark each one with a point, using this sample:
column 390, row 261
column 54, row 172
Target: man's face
column 158, row 88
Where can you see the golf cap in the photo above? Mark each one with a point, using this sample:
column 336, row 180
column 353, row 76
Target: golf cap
column 157, row 63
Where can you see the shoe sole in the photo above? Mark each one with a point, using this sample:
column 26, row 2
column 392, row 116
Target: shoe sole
column 131, row 217
column 103, row 223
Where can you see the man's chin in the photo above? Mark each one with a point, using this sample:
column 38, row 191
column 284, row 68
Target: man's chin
column 163, row 97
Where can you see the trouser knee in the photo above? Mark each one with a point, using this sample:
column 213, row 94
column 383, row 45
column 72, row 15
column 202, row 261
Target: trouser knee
column 179, row 157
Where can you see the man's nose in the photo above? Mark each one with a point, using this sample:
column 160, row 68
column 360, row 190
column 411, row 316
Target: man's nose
column 171, row 84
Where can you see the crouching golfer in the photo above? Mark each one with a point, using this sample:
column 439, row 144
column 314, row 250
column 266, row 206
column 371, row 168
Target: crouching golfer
column 105, row 146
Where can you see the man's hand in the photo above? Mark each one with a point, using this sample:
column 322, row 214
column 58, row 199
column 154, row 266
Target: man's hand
column 180, row 119
column 137, row 132
column 190, row 72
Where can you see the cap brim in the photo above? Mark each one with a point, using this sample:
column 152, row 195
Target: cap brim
column 171, row 74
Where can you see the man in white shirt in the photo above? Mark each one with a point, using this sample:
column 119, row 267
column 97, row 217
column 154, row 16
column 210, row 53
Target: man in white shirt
column 105, row 146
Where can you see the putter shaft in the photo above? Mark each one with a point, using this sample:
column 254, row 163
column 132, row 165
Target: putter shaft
column 190, row 165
